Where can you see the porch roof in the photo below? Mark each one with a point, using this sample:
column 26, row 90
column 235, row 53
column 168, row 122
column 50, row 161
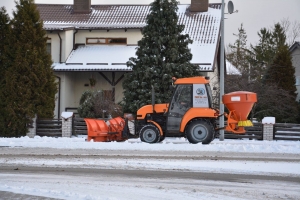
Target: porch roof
column 114, row 58
column 98, row 58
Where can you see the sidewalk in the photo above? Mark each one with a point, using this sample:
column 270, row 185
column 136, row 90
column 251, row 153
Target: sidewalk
column 15, row 196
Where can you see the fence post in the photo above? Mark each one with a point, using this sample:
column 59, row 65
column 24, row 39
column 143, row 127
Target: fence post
column 66, row 124
column 268, row 127
column 32, row 127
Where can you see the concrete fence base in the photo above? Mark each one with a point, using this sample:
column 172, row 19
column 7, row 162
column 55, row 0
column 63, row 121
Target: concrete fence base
column 268, row 128
column 66, row 124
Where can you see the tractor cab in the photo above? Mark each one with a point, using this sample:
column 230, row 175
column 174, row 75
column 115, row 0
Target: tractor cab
column 187, row 95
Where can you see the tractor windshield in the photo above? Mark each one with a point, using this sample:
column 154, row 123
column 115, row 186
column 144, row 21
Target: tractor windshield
column 209, row 94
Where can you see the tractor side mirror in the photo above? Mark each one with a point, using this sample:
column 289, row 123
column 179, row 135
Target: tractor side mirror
column 171, row 87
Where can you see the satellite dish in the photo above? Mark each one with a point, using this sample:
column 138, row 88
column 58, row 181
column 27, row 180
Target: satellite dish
column 230, row 7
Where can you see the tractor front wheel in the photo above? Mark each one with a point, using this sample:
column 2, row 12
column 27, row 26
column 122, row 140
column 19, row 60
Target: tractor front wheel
column 150, row 134
column 200, row 131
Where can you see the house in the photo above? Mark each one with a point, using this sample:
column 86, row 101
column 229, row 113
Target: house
column 95, row 42
column 295, row 53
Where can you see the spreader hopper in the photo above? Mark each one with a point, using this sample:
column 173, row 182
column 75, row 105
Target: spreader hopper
column 239, row 105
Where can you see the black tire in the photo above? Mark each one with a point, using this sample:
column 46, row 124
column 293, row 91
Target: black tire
column 149, row 134
column 162, row 138
column 200, row 131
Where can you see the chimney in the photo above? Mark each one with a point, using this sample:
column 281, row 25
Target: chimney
column 82, row 6
column 199, row 6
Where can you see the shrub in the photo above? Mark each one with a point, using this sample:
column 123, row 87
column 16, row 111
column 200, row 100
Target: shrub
column 97, row 104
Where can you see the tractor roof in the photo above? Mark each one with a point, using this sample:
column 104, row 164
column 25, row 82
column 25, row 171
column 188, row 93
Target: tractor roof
column 192, row 80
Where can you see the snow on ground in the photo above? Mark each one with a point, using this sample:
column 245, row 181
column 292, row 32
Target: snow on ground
column 169, row 144
column 68, row 187
column 174, row 145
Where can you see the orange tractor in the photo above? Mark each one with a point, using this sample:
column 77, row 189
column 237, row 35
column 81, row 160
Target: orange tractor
column 189, row 114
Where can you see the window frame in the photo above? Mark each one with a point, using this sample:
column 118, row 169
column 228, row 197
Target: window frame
column 49, row 44
column 106, row 41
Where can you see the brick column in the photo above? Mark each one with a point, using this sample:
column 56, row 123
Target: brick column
column 268, row 126
column 32, row 128
column 66, row 124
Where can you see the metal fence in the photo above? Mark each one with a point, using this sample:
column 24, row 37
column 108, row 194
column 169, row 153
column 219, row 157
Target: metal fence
column 284, row 131
column 79, row 126
column 252, row 132
column 49, row 127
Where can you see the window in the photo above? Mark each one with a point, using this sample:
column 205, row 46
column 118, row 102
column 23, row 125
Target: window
column 106, row 40
column 48, row 48
column 183, row 97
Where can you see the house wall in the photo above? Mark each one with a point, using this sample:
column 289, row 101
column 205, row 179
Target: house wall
column 54, row 45
column 67, row 91
column 132, row 35
column 68, row 44
column 296, row 63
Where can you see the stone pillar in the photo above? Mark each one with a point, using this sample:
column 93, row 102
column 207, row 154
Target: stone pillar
column 268, row 128
column 32, row 128
column 66, row 124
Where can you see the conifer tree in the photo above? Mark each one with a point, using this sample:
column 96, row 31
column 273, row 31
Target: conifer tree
column 5, row 32
column 162, row 53
column 29, row 79
column 264, row 52
column 238, row 52
column 282, row 71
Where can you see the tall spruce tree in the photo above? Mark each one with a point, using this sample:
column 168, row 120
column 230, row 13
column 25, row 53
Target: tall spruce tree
column 161, row 54
column 282, row 71
column 5, row 33
column 264, row 52
column 29, row 78
column 238, row 53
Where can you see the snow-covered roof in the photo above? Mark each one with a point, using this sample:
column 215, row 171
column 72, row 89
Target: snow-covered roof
column 202, row 27
column 295, row 46
column 58, row 16
column 98, row 58
column 102, row 58
column 231, row 69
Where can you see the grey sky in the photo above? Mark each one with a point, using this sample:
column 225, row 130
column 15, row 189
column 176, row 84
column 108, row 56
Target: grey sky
column 254, row 14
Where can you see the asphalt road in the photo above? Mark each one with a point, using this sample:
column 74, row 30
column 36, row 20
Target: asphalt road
column 239, row 183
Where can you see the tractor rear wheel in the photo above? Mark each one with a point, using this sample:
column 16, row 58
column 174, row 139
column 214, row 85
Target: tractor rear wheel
column 150, row 134
column 200, row 131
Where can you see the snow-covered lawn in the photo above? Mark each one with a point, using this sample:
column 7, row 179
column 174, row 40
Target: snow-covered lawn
column 169, row 144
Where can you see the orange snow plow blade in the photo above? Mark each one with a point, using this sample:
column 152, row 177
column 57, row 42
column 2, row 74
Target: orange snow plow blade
column 101, row 131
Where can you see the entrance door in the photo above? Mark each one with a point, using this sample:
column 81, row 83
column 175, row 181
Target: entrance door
column 180, row 104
